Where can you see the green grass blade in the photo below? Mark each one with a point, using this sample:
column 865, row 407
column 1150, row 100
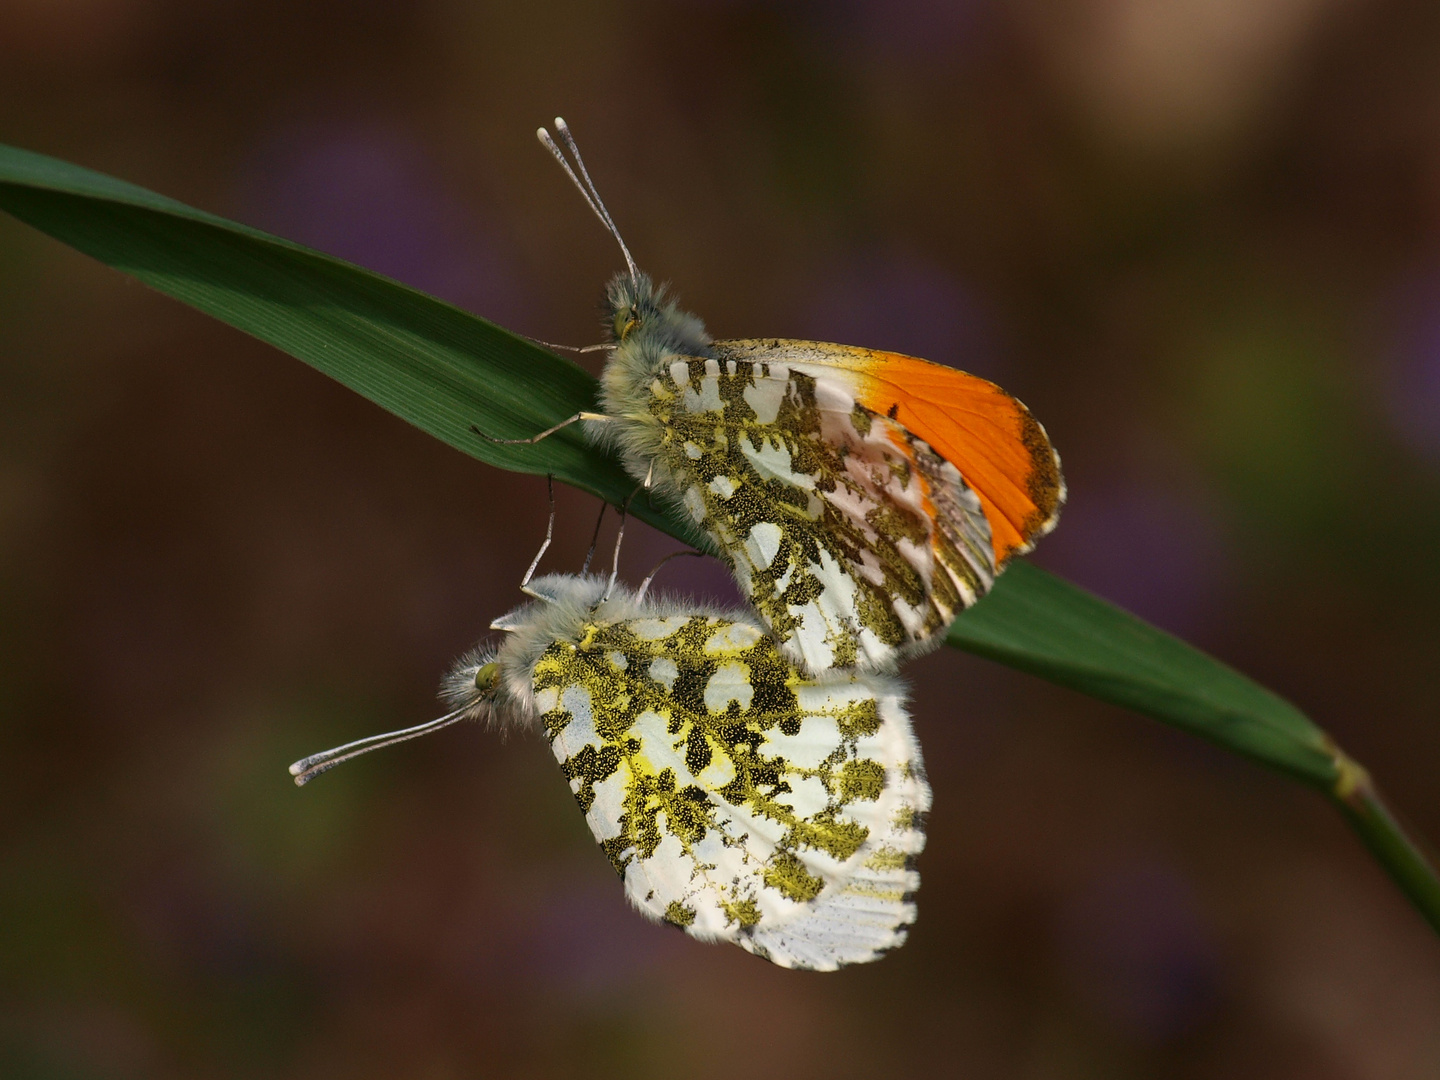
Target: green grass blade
column 438, row 367
column 1039, row 623
column 443, row 369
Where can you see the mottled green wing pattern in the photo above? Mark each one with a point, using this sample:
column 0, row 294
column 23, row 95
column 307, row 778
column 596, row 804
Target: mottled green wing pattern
column 737, row 798
column 853, row 540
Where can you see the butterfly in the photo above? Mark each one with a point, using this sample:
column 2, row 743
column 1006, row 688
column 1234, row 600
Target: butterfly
column 738, row 798
column 862, row 498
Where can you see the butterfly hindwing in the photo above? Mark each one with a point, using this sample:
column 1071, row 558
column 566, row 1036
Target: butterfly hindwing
column 739, row 799
column 852, row 538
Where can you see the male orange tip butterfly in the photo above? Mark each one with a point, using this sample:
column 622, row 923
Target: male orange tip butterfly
column 862, row 498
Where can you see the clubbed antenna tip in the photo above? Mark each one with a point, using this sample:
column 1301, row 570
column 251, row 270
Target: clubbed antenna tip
column 586, row 188
column 307, row 768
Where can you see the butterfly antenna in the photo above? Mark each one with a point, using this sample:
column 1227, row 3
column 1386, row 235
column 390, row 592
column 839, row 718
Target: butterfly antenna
column 307, row 768
column 594, row 539
column 587, row 188
column 549, row 532
column 645, row 585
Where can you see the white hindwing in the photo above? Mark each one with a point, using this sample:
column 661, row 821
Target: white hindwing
column 739, row 799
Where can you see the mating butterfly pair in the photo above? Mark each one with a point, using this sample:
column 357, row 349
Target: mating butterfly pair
column 756, row 779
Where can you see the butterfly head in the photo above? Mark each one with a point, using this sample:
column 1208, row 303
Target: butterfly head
column 630, row 304
column 640, row 316
column 473, row 683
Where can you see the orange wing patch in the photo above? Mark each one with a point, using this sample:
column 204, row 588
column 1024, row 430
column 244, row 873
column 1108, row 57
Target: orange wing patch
column 1000, row 449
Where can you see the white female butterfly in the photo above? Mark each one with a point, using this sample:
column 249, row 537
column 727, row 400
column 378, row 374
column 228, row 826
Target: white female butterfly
column 738, row 798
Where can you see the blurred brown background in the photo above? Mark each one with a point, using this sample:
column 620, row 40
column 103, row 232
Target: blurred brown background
column 1200, row 238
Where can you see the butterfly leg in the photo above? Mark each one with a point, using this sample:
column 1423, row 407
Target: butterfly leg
column 645, row 585
column 533, row 439
column 594, row 539
column 573, row 348
column 619, row 537
column 549, row 532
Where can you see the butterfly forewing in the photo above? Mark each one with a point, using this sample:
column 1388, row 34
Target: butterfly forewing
column 1000, row 450
column 739, row 799
column 852, row 538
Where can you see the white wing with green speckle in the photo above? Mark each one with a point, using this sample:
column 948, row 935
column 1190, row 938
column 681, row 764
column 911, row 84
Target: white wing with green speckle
column 740, row 799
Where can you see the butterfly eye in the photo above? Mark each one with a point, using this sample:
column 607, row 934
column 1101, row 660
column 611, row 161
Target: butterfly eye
column 487, row 677
column 624, row 322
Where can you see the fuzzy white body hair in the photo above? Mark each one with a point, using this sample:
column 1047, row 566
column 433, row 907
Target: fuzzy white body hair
column 661, row 331
column 570, row 601
column 564, row 604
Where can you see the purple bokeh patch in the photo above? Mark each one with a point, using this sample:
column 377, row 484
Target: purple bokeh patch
column 1157, row 551
column 1140, row 951
column 900, row 303
column 370, row 194
column 1413, row 392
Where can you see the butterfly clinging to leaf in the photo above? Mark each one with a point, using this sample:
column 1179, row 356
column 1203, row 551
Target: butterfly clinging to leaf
column 739, row 799
column 862, row 498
